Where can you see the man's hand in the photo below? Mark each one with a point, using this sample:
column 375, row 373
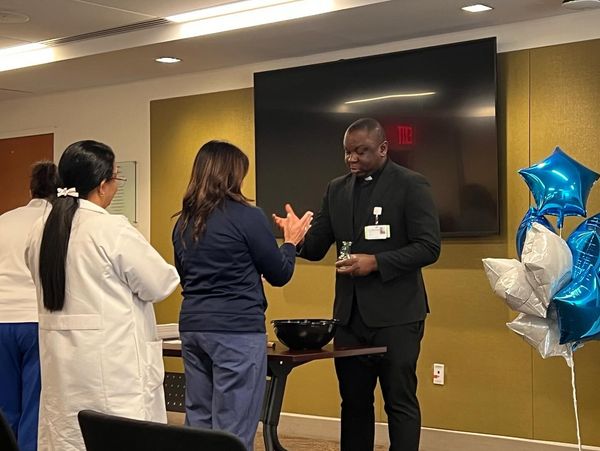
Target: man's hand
column 357, row 265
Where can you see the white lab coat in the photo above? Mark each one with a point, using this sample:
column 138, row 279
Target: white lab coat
column 101, row 351
column 17, row 291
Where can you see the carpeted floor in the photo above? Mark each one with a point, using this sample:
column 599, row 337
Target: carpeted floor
column 289, row 443
column 304, row 444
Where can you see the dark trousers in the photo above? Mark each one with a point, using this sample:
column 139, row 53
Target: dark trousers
column 396, row 371
column 20, row 381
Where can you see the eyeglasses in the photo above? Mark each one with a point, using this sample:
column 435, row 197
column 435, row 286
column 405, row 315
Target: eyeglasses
column 119, row 178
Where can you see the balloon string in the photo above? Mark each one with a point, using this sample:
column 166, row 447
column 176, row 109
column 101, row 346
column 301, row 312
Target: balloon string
column 570, row 351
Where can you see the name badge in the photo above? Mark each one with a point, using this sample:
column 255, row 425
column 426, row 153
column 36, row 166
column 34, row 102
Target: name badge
column 377, row 232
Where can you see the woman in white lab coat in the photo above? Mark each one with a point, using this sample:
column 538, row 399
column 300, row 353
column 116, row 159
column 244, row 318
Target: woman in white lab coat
column 96, row 279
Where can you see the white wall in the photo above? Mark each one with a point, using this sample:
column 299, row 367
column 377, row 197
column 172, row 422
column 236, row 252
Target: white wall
column 120, row 114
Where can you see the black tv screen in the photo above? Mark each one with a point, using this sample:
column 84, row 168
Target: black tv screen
column 438, row 108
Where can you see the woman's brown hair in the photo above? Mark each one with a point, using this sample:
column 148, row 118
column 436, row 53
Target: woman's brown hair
column 218, row 172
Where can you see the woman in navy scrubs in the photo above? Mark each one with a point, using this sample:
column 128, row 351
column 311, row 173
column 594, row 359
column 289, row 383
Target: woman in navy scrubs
column 224, row 246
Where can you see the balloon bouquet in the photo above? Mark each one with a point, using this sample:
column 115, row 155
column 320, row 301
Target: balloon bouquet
column 556, row 284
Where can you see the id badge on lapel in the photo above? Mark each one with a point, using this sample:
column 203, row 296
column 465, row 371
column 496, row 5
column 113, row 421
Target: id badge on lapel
column 377, row 231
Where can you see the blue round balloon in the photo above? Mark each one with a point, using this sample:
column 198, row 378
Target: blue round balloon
column 530, row 217
column 560, row 185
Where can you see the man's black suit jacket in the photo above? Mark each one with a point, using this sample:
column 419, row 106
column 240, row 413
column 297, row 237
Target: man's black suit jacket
column 395, row 293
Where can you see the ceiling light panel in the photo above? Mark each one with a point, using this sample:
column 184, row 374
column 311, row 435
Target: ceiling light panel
column 21, row 48
column 25, row 56
column 255, row 17
column 222, row 10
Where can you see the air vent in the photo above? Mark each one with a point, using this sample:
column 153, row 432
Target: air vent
column 108, row 32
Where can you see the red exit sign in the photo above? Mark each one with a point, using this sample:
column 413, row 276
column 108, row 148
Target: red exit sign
column 406, row 135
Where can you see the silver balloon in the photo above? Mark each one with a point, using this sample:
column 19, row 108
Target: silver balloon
column 509, row 281
column 548, row 261
column 543, row 334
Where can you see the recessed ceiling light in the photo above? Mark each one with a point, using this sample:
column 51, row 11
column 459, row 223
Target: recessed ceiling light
column 167, row 60
column 477, row 8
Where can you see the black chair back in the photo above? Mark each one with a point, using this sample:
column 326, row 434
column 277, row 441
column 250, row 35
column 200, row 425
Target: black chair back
column 7, row 438
column 103, row 432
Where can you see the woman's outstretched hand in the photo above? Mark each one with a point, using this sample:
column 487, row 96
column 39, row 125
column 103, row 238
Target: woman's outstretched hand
column 294, row 228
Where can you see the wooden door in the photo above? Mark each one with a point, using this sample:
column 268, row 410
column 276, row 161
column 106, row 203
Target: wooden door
column 16, row 157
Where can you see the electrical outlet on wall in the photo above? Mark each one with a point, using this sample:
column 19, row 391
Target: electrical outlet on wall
column 438, row 373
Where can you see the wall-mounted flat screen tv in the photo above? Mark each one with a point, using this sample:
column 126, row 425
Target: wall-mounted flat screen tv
column 438, row 108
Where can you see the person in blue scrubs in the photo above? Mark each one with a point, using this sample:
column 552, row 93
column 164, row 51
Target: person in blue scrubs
column 19, row 355
column 224, row 247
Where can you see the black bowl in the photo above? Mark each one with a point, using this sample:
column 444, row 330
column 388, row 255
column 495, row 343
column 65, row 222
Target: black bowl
column 299, row 334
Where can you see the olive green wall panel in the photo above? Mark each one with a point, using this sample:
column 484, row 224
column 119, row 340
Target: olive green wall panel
column 565, row 111
column 178, row 127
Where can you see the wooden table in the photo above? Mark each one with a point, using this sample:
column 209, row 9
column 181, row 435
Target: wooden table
column 280, row 362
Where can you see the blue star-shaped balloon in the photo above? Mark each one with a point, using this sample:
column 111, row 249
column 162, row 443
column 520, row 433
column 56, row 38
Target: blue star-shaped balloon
column 530, row 217
column 578, row 308
column 560, row 185
column 578, row 303
column 584, row 243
